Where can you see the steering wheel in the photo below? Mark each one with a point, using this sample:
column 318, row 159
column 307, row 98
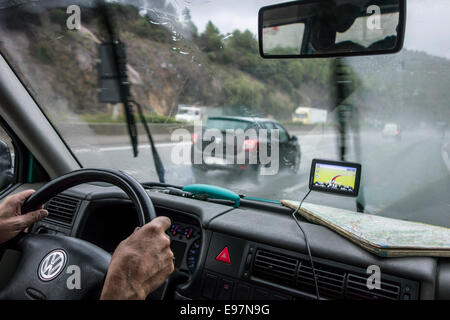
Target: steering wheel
column 61, row 267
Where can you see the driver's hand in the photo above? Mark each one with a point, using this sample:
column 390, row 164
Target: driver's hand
column 141, row 263
column 12, row 221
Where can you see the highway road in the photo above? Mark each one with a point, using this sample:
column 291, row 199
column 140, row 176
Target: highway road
column 407, row 179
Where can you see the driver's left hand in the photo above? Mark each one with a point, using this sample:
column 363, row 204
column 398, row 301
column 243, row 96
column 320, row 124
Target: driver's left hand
column 12, row 220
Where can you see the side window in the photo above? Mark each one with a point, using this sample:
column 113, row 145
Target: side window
column 7, row 155
column 284, row 136
column 269, row 126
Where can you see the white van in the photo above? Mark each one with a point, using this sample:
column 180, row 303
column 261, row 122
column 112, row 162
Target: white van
column 188, row 114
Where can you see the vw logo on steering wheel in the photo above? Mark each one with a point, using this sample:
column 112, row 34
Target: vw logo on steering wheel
column 52, row 265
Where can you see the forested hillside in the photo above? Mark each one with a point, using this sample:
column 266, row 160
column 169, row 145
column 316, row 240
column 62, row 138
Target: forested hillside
column 171, row 63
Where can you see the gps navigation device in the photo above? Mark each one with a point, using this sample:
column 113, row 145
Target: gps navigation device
column 335, row 177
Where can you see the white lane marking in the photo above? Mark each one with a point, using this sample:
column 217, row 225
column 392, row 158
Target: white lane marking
column 445, row 156
column 120, row 148
column 166, row 145
column 81, row 150
column 117, row 148
column 313, row 135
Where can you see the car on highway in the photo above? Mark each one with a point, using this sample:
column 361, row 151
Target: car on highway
column 391, row 130
column 88, row 91
column 307, row 115
column 229, row 150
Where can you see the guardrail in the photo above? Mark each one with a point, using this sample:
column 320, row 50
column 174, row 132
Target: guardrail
column 119, row 129
column 78, row 133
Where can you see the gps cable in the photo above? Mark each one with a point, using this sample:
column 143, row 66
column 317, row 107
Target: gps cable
column 307, row 244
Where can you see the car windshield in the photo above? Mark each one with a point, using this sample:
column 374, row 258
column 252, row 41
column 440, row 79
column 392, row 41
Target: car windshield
column 205, row 54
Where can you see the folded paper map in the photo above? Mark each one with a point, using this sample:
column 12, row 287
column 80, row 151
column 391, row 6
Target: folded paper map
column 382, row 236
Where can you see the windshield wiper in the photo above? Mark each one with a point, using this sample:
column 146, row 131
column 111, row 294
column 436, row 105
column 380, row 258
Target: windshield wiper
column 118, row 63
column 115, row 51
column 157, row 160
column 114, row 67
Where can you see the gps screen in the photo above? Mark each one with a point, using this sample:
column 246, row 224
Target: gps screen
column 336, row 177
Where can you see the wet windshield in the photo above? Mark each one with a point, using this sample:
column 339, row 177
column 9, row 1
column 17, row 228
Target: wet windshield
column 205, row 54
column 225, row 124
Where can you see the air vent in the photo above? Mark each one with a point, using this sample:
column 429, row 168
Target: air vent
column 62, row 209
column 273, row 266
column 357, row 289
column 334, row 282
column 330, row 280
column 298, row 274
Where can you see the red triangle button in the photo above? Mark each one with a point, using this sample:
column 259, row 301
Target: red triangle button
column 224, row 256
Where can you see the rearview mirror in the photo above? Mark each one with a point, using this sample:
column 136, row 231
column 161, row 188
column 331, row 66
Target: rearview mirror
column 322, row 28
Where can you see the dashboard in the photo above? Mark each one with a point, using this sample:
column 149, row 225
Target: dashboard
column 254, row 252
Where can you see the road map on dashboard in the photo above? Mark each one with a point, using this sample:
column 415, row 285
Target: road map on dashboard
column 382, row 236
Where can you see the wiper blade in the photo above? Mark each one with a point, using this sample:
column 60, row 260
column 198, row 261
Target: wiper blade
column 156, row 158
column 132, row 129
column 119, row 73
column 160, row 185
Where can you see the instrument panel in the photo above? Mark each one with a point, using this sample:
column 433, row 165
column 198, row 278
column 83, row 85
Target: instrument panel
column 185, row 245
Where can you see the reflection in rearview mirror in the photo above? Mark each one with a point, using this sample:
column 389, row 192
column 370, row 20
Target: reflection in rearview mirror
column 331, row 28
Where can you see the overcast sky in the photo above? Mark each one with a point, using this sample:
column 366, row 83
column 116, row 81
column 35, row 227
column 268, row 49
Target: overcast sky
column 428, row 21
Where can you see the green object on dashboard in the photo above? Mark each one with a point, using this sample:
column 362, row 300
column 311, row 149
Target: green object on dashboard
column 213, row 192
column 262, row 200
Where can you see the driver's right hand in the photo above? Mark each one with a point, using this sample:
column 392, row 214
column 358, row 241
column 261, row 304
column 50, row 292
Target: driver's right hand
column 141, row 263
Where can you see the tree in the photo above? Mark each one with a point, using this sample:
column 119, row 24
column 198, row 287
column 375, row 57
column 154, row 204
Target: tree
column 188, row 24
column 242, row 91
column 170, row 9
column 210, row 39
column 244, row 41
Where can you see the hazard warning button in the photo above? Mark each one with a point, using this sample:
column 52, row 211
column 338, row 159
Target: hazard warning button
column 224, row 256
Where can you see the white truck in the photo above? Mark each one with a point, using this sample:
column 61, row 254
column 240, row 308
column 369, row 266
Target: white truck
column 307, row 115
